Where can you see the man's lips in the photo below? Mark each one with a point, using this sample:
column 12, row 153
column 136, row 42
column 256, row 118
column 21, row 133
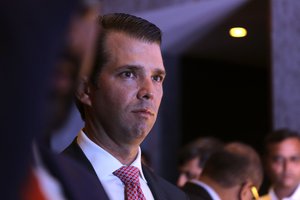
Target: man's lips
column 144, row 111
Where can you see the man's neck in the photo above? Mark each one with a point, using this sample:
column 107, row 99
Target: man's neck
column 126, row 154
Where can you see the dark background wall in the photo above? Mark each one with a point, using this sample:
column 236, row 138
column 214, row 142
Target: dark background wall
column 227, row 81
column 223, row 85
column 225, row 100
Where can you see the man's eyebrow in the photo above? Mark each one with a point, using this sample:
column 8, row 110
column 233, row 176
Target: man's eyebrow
column 133, row 67
column 139, row 67
column 160, row 72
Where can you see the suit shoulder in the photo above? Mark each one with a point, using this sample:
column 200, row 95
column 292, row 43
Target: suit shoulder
column 163, row 187
column 74, row 152
column 196, row 192
column 71, row 149
column 171, row 189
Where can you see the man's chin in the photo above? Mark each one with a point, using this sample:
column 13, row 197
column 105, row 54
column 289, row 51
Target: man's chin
column 289, row 183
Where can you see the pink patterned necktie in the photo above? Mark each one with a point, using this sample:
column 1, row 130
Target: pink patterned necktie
column 129, row 175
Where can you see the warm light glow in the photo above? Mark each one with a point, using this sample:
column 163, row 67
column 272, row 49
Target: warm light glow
column 238, row 32
column 255, row 193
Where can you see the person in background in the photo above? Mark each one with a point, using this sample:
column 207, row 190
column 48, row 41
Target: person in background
column 119, row 102
column 233, row 173
column 282, row 164
column 193, row 156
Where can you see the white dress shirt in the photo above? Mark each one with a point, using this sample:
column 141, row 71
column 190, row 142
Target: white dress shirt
column 211, row 191
column 272, row 196
column 105, row 164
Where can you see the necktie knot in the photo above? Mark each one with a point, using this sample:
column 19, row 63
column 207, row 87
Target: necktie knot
column 128, row 175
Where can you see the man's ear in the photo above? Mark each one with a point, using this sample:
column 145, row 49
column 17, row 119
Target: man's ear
column 83, row 90
column 245, row 191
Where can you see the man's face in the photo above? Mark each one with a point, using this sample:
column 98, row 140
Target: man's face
column 283, row 163
column 129, row 90
column 189, row 171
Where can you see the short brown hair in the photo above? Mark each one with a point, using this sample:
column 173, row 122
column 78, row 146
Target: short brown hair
column 235, row 164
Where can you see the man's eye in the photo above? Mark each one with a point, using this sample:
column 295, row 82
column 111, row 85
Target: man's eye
column 295, row 159
column 278, row 159
column 189, row 175
column 128, row 74
column 158, row 78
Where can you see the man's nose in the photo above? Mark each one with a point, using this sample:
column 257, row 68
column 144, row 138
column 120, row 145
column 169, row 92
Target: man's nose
column 146, row 89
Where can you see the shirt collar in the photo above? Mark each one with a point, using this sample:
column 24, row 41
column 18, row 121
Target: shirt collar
column 294, row 196
column 209, row 189
column 103, row 162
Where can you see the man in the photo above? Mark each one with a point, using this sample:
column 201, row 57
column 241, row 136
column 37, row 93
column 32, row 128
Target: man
column 282, row 161
column 193, row 156
column 233, row 173
column 119, row 103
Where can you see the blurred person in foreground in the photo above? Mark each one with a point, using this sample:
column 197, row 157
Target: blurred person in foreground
column 193, row 156
column 119, row 103
column 282, row 164
column 31, row 38
column 52, row 176
column 233, row 173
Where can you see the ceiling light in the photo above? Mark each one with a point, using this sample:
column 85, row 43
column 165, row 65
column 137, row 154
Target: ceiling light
column 238, row 32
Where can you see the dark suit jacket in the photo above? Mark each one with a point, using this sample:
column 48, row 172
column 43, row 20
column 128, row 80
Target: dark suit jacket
column 76, row 181
column 160, row 188
column 196, row 192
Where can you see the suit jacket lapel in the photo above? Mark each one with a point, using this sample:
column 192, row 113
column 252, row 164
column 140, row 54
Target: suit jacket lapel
column 153, row 183
column 75, row 152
